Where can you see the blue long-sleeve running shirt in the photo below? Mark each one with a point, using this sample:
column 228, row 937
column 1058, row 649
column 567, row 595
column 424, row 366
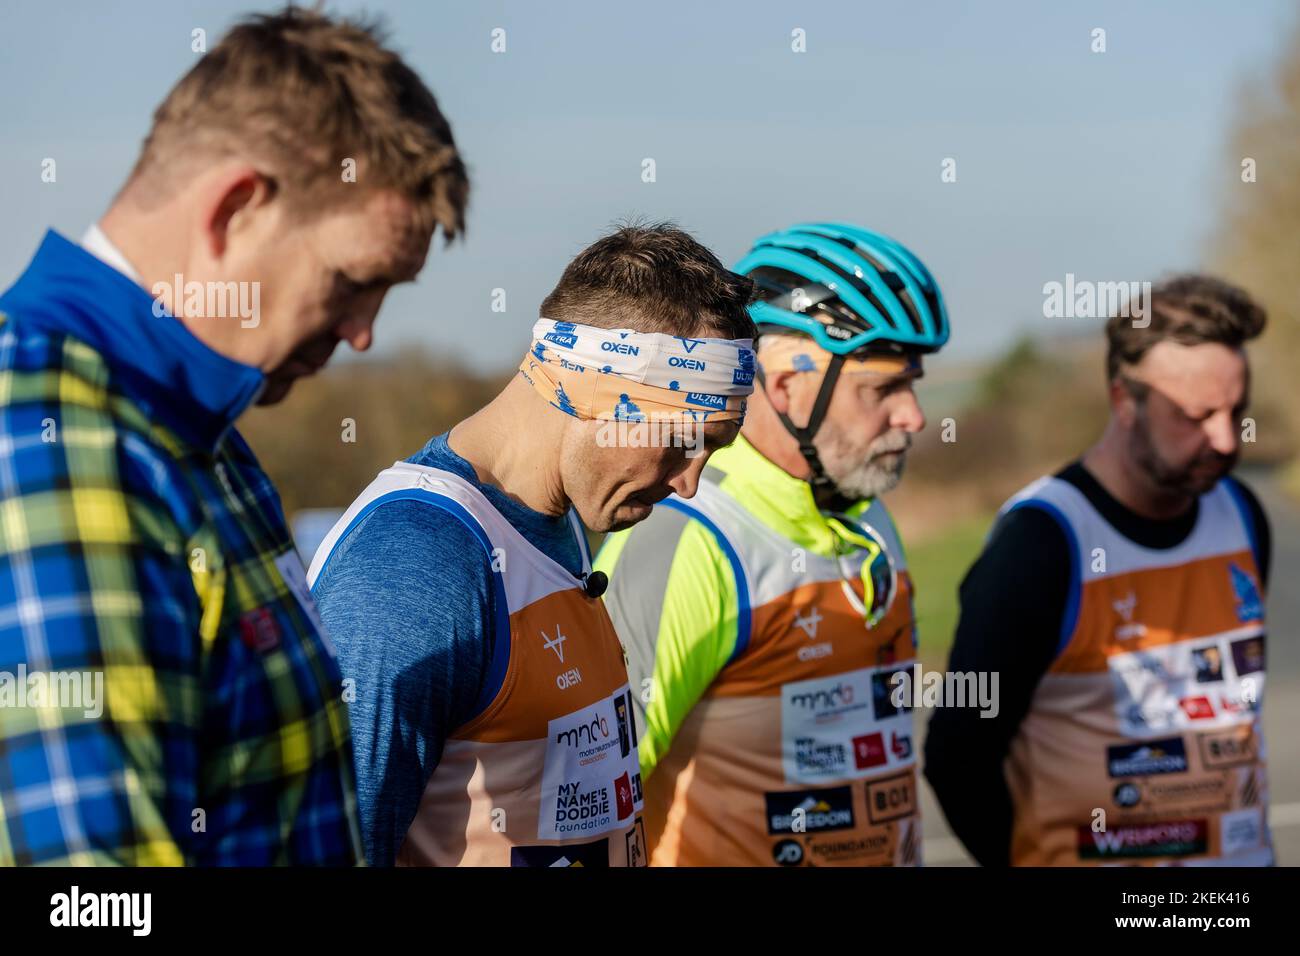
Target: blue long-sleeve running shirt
column 407, row 597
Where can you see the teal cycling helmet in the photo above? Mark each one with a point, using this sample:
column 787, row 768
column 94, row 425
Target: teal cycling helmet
column 854, row 292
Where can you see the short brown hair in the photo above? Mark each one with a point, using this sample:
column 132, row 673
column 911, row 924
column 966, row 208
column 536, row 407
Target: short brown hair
column 1189, row 309
column 652, row 278
column 300, row 92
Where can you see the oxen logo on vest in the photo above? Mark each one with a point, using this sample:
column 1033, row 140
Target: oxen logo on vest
column 809, row 623
column 555, row 644
column 1125, row 608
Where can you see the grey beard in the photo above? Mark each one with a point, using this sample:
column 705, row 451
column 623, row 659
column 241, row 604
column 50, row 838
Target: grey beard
column 870, row 479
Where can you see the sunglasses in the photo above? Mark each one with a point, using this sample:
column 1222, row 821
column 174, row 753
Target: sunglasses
column 878, row 575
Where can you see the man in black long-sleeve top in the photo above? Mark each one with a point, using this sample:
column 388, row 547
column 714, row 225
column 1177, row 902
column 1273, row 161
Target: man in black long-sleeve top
column 1120, row 602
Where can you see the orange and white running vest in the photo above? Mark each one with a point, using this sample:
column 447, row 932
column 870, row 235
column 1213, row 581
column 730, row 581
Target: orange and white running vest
column 795, row 755
column 1143, row 743
column 547, row 774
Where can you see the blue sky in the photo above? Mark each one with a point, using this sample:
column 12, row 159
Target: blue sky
column 1107, row 165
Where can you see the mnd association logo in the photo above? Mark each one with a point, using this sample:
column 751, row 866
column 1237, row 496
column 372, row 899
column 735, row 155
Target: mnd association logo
column 209, row 300
column 49, row 690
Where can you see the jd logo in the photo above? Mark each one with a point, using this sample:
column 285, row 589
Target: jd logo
column 788, row 853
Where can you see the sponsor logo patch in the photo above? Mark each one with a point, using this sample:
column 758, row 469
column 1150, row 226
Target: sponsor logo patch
column 829, row 731
column 1229, row 749
column 1127, row 795
column 1248, row 655
column 787, row 853
column 850, row 849
column 814, row 810
column 1208, row 664
column 1158, row 838
column 869, row 751
column 595, row 853
column 1140, row 760
column 636, row 848
column 891, row 798
column 1197, row 708
column 591, row 777
column 1241, row 830
column 1249, row 606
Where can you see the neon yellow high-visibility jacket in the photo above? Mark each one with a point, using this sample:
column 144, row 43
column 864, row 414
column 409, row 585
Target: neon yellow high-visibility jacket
column 771, row 731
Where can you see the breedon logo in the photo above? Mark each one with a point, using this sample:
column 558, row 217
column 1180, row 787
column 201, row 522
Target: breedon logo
column 807, row 811
column 1157, row 756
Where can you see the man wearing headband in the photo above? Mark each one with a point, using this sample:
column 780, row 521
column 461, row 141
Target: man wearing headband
column 491, row 714
column 764, row 620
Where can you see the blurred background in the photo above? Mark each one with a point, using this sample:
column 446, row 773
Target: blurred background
column 1119, row 165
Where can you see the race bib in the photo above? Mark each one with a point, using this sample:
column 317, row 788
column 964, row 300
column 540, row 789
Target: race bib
column 844, row 727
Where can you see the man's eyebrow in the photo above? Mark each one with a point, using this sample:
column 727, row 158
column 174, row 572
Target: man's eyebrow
column 395, row 278
column 408, row 275
column 715, row 439
column 374, row 275
column 877, row 380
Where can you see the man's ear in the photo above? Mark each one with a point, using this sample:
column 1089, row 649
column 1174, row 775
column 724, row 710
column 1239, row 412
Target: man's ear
column 1123, row 404
column 776, row 386
column 229, row 193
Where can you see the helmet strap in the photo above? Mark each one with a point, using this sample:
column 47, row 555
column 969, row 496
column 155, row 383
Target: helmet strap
column 822, row 484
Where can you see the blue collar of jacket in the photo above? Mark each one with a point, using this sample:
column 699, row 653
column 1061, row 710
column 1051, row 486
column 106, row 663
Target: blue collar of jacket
column 157, row 361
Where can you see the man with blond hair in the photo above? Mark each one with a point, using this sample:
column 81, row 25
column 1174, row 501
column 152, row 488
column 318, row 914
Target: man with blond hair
column 292, row 177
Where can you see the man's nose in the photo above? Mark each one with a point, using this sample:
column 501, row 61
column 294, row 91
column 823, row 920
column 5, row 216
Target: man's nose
column 687, row 481
column 907, row 414
column 358, row 332
column 1221, row 430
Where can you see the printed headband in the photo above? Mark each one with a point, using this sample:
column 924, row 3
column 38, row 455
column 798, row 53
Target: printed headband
column 788, row 353
column 622, row 375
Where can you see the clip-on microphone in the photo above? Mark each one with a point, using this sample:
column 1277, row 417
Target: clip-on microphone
column 594, row 584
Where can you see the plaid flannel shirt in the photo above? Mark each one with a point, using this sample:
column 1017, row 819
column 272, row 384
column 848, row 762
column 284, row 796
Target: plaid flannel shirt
column 142, row 547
